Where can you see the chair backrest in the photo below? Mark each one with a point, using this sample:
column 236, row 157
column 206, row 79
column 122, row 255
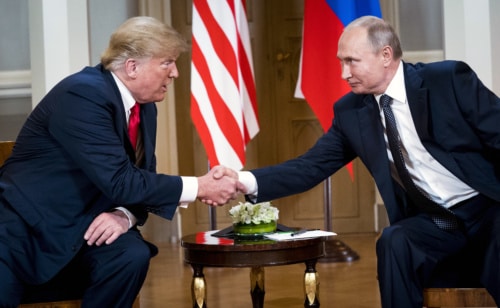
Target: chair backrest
column 5, row 150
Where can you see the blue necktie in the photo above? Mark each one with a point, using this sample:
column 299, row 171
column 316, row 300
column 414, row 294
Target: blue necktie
column 442, row 217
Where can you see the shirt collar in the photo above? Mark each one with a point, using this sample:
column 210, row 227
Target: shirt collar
column 396, row 88
column 127, row 99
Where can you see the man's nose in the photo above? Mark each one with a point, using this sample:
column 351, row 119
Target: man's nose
column 346, row 72
column 174, row 73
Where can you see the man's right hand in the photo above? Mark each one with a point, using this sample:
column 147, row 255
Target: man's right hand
column 219, row 186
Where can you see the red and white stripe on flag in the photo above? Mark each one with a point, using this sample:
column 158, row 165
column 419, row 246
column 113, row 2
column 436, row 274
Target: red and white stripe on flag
column 223, row 97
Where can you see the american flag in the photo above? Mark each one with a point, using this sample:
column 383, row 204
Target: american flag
column 223, row 97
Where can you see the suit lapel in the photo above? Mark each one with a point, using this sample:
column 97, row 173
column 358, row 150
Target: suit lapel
column 418, row 102
column 148, row 125
column 120, row 118
column 373, row 137
column 372, row 133
column 420, row 110
column 376, row 158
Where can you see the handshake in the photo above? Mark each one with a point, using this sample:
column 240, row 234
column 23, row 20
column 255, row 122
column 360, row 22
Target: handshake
column 219, row 186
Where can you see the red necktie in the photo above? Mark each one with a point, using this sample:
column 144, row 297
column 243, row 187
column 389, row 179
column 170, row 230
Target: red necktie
column 133, row 124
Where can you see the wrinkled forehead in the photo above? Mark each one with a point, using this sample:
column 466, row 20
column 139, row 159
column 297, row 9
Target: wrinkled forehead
column 355, row 35
column 353, row 41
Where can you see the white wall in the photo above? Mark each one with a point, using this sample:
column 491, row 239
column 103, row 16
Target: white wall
column 472, row 34
column 58, row 42
column 104, row 18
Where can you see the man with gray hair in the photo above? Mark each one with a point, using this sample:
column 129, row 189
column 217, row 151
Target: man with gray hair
column 429, row 134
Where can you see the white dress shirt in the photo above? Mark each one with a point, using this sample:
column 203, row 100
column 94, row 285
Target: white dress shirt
column 189, row 184
column 427, row 173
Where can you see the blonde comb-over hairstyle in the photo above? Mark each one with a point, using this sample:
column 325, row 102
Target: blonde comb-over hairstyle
column 142, row 37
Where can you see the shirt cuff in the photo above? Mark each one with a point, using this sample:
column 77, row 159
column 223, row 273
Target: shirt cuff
column 250, row 182
column 132, row 220
column 189, row 190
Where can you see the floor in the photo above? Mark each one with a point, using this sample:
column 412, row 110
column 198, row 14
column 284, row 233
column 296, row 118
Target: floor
column 342, row 284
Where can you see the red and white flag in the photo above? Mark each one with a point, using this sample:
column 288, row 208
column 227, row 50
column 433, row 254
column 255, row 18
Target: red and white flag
column 320, row 82
column 223, row 98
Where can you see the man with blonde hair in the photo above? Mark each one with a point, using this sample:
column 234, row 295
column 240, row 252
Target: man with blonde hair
column 82, row 177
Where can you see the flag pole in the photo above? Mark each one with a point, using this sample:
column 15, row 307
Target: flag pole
column 327, row 202
column 335, row 250
column 212, row 213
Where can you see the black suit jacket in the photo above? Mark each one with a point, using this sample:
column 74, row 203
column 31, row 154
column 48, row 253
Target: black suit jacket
column 456, row 117
column 72, row 161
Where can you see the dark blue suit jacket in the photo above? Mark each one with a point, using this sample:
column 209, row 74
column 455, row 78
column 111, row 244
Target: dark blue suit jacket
column 72, row 161
column 457, row 119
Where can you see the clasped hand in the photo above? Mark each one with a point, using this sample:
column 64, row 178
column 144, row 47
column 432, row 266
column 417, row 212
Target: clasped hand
column 219, row 186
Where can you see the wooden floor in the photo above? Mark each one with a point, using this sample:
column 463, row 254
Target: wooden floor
column 342, row 284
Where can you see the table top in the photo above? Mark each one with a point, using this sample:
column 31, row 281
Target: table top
column 204, row 249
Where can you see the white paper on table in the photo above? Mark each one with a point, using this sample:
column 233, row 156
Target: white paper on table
column 286, row 236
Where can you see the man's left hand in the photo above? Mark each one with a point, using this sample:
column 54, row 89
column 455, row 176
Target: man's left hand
column 106, row 228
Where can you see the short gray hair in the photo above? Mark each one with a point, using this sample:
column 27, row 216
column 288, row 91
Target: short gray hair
column 380, row 34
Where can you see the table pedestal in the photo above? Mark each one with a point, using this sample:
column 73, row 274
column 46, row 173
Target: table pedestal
column 338, row 251
column 311, row 285
column 198, row 287
column 257, row 286
column 202, row 250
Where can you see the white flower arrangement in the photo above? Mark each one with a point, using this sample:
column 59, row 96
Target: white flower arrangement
column 250, row 213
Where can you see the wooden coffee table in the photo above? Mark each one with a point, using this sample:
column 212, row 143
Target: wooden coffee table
column 204, row 250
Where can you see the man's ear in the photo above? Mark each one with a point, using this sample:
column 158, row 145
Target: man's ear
column 131, row 68
column 387, row 55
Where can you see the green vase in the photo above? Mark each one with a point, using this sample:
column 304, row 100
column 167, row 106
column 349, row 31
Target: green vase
column 254, row 229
